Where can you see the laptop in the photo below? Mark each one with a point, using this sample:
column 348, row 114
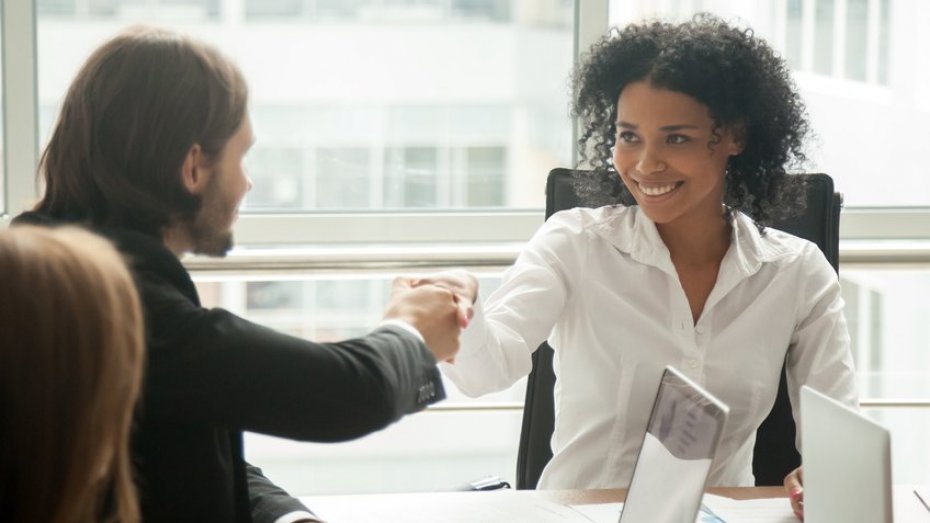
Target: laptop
column 847, row 463
column 679, row 445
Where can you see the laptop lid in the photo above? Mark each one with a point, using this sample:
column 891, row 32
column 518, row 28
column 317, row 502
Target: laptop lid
column 679, row 445
column 847, row 463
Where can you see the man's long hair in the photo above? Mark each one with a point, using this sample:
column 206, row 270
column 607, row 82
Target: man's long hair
column 135, row 109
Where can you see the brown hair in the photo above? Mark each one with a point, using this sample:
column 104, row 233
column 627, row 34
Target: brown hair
column 71, row 350
column 135, row 109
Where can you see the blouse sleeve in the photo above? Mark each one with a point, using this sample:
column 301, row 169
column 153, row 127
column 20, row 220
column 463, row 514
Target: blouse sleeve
column 507, row 327
column 819, row 354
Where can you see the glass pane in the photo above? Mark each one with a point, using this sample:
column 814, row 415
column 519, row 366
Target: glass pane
column 56, row 7
column 823, row 37
column 429, row 451
column 276, row 178
column 366, row 104
column 793, row 33
column 426, row 451
column 410, row 178
column 343, row 178
column 887, row 311
column 910, row 431
column 871, row 101
column 486, row 167
column 856, row 38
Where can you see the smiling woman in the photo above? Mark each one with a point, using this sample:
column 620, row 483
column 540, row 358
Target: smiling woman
column 691, row 126
column 721, row 80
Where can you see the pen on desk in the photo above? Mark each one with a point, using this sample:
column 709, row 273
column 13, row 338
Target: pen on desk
column 926, row 502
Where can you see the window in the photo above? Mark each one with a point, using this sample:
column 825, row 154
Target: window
column 381, row 10
column 149, row 10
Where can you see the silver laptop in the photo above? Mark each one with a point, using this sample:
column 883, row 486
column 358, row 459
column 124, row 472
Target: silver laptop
column 847, row 463
column 678, row 448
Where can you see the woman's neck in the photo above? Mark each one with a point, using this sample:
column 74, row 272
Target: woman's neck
column 696, row 242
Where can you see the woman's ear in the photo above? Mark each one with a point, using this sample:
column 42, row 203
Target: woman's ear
column 194, row 170
column 737, row 139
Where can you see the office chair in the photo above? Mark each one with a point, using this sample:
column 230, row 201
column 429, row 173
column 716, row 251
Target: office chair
column 775, row 454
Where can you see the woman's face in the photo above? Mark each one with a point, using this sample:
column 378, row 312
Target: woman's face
column 669, row 156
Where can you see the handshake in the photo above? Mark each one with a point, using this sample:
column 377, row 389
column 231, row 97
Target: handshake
column 438, row 306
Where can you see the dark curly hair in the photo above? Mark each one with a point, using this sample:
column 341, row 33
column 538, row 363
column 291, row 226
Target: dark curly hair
column 735, row 74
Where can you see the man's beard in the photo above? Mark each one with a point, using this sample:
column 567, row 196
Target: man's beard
column 210, row 241
column 210, row 230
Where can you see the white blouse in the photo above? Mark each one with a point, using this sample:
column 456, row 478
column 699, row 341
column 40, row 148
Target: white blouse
column 599, row 284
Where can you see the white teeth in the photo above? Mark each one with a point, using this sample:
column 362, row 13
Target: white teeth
column 658, row 190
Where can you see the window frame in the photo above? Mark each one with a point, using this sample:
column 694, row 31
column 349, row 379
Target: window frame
column 20, row 84
column 21, row 149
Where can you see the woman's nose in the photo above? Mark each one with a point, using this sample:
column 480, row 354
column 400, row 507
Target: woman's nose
column 650, row 162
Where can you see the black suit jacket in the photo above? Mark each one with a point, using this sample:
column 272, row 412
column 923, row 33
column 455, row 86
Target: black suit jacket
column 211, row 375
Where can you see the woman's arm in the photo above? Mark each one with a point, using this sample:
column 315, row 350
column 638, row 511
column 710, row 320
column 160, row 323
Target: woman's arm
column 510, row 324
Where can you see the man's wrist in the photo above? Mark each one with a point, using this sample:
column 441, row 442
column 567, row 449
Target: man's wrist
column 395, row 322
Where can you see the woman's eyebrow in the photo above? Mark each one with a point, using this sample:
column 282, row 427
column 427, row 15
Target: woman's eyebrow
column 677, row 127
column 665, row 128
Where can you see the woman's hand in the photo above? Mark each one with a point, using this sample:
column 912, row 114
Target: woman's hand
column 794, row 484
column 464, row 287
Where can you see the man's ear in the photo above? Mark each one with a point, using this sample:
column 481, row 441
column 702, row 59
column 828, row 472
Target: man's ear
column 195, row 170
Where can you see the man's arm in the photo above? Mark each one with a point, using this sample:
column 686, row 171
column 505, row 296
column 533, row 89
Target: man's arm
column 271, row 504
column 225, row 371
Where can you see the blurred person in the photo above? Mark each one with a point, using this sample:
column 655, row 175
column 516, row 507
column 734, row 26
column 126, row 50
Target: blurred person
column 148, row 150
column 690, row 129
column 71, row 349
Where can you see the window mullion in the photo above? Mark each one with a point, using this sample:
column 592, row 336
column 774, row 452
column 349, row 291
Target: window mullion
column 20, row 109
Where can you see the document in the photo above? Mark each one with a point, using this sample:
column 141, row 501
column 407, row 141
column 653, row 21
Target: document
column 771, row 510
column 471, row 507
column 610, row 513
column 715, row 509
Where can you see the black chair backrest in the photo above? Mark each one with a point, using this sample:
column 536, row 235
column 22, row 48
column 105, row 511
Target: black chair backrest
column 775, row 454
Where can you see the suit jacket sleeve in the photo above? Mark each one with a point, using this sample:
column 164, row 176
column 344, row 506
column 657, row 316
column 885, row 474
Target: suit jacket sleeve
column 211, row 366
column 268, row 501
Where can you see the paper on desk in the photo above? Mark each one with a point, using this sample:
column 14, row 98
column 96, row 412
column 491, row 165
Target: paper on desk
column 715, row 509
column 771, row 510
column 456, row 506
column 610, row 513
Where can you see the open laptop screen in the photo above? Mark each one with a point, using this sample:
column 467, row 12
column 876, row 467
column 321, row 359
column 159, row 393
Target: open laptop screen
column 678, row 448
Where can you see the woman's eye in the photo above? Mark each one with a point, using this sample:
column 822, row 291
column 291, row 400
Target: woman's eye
column 626, row 137
column 676, row 139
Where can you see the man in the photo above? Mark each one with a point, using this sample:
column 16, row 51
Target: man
column 148, row 151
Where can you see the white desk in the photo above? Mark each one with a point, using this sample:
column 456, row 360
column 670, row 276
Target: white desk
column 516, row 506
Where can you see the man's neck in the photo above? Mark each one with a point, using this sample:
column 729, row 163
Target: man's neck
column 176, row 240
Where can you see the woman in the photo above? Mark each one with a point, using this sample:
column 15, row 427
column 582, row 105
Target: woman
column 70, row 368
column 689, row 130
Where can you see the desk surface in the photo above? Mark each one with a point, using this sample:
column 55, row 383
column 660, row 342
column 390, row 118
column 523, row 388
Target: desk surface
column 502, row 505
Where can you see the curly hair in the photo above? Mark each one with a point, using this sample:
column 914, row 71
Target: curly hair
column 736, row 75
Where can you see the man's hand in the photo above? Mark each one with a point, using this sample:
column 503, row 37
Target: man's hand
column 436, row 312
column 462, row 283
column 794, row 484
